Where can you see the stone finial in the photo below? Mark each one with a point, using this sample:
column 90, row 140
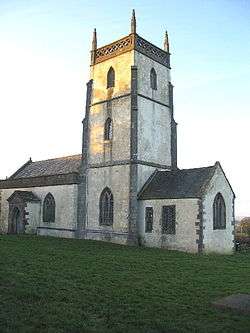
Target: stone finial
column 94, row 40
column 133, row 23
column 166, row 42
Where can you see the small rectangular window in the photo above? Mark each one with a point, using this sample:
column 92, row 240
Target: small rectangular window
column 168, row 220
column 148, row 219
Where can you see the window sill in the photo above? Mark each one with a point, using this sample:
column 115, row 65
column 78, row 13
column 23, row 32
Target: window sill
column 219, row 229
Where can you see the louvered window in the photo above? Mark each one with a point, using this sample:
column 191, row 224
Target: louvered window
column 108, row 129
column 153, row 79
column 168, row 220
column 148, row 219
column 111, row 78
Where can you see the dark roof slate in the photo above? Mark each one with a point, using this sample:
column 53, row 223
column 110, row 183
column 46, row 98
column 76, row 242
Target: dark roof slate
column 177, row 184
column 26, row 196
column 55, row 166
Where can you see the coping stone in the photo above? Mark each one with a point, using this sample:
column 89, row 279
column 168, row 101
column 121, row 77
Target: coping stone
column 237, row 302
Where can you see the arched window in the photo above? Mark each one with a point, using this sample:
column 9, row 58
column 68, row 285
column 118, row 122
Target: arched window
column 153, row 79
column 49, row 208
column 111, row 78
column 219, row 212
column 108, row 129
column 106, row 207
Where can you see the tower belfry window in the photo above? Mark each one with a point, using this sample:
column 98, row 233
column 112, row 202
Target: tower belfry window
column 111, row 78
column 108, row 129
column 153, row 79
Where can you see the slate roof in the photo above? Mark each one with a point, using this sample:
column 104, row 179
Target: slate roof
column 55, row 166
column 177, row 184
column 26, row 196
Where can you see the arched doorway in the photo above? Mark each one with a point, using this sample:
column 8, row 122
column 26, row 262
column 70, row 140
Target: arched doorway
column 17, row 226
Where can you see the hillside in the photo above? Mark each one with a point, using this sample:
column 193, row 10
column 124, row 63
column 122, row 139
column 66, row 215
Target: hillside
column 62, row 285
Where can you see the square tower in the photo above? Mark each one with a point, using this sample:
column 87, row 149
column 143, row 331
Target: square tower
column 128, row 132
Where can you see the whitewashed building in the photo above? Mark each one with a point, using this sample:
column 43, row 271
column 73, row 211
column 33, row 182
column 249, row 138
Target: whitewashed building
column 126, row 186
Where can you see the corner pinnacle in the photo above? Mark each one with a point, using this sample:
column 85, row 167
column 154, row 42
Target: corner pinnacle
column 133, row 23
column 166, row 42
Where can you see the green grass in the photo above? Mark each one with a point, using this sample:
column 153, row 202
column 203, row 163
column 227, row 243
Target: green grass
column 57, row 285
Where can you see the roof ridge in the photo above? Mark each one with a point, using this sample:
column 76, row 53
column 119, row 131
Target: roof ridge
column 147, row 183
column 57, row 158
column 21, row 168
column 208, row 180
column 182, row 183
column 198, row 168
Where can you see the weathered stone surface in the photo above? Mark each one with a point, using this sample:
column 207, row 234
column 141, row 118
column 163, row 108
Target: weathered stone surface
column 186, row 216
column 66, row 209
column 220, row 240
column 237, row 302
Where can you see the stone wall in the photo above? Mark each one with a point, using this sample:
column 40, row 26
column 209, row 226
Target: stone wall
column 117, row 179
column 122, row 67
column 185, row 238
column 154, row 114
column 33, row 217
column 144, row 65
column 108, row 163
column 4, row 210
column 118, row 149
column 221, row 241
column 2, row 225
column 66, row 208
column 154, row 132
column 113, row 163
column 144, row 172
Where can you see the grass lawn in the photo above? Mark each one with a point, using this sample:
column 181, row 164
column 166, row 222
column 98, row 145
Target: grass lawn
column 61, row 285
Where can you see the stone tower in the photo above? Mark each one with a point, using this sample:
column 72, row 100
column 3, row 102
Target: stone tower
column 128, row 132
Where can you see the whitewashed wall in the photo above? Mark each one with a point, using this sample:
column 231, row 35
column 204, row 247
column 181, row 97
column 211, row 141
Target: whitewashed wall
column 66, row 209
column 186, row 218
column 117, row 179
column 154, row 132
column 34, row 217
column 154, row 119
column 220, row 241
column 144, row 65
column 144, row 172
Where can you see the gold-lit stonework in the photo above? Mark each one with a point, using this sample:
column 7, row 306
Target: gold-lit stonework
column 128, row 43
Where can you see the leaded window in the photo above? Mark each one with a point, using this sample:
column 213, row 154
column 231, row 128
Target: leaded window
column 219, row 212
column 49, row 207
column 168, row 220
column 148, row 219
column 111, row 78
column 153, row 79
column 106, row 207
column 108, row 129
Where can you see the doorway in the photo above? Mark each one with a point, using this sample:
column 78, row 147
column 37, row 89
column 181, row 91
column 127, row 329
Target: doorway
column 17, row 226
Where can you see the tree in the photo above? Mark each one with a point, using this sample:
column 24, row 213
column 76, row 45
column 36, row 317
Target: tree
column 245, row 226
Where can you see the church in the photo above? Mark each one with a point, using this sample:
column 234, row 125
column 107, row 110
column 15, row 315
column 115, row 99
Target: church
column 125, row 187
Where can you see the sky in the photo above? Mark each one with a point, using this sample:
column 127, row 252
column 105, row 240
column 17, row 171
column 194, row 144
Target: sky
column 44, row 67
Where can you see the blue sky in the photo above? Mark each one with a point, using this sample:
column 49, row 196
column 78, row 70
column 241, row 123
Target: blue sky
column 44, row 53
